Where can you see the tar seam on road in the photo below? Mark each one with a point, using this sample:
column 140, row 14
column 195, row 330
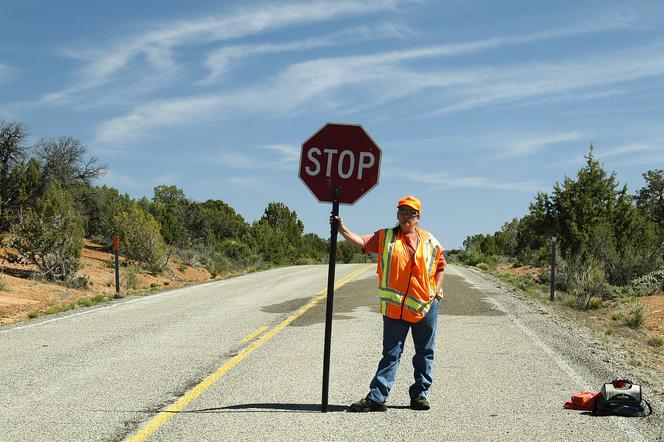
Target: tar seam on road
column 169, row 412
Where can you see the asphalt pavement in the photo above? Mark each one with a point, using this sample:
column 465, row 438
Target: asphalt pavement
column 242, row 360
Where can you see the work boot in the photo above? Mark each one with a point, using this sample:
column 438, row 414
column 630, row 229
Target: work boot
column 419, row 403
column 367, row 404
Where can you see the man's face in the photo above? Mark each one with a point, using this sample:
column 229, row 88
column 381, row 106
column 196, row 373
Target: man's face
column 408, row 218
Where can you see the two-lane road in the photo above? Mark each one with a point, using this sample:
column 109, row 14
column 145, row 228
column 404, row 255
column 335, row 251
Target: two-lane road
column 237, row 360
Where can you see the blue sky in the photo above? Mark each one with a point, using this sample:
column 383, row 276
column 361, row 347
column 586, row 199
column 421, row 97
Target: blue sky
column 477, row 105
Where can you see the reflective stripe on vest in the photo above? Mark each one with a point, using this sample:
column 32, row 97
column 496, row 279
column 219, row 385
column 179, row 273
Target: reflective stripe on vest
column 395, row 297
column 388, row 250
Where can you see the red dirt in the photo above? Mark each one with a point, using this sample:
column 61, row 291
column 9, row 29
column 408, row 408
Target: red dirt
column 22, row 294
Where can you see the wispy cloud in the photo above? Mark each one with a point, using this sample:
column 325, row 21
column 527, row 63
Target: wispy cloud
column 520, row 145
column 629, row 154
column 246, row 182
column 156, row 114
column 224, row 59
column 630, row 149
column 474, row 182
column 157, row 45
column 376, row 79
column 6, row 72
column 124, row 182
column 284, row 157
column 535, row 80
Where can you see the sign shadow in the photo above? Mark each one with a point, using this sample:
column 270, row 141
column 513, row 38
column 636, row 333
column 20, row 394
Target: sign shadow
column 272, row 407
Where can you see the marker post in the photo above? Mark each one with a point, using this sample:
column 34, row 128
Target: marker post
column 116, row 252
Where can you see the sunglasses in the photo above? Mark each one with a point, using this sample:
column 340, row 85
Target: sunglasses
column 409, row 213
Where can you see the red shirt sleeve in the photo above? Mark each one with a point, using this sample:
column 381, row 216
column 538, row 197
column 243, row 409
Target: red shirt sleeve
column 442, row 263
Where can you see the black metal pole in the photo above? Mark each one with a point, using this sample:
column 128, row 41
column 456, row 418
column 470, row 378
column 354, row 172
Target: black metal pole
column 116, row 251
column 552, row 277
column 334, row 229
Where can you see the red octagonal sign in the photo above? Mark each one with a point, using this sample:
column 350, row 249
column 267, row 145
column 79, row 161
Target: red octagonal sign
column 340, row 154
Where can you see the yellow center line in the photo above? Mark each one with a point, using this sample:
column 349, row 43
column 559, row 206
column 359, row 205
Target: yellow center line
column 179, row 405
column 252, row 335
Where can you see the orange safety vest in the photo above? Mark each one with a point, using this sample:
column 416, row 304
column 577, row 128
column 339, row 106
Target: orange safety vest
column 406, row 284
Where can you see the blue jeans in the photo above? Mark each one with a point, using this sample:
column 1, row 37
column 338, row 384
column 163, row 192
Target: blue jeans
column 395, row 332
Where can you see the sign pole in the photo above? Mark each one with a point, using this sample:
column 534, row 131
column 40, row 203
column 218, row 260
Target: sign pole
column 334, row 229
column 552, row 276
column 116, row 252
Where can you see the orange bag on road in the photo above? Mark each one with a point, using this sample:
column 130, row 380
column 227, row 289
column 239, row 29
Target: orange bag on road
column 583, row 401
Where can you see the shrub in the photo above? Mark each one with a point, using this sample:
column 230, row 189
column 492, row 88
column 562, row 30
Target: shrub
column 650, row 283
column 656, row 341
column 483, row 266
column 79, row 282
column 218, row 264
column 140, row 239
column 302, row 261
column 594, row 304
column 634, row 315
column 190, row 257
column 586, row 280
column 130, row 277
column 51, row 236
column 361, row 258
column 473, row 258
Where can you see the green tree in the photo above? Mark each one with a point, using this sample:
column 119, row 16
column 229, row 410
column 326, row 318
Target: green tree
column 650, row 199
column 638, row 249
column 64, row 160
column 170, row 207
column 473, row 243
column 271, row 244
column 215, row 221
column 345, row 252
column 278, row 216
column 140, row 238
column 33, row 180
column 21, row 191
column 17, row 193
column 102, row 205
column 277, row 236
column 51, row 236
column 582, row 204
column 506, row 238
column 13, row 150
column 315, row 247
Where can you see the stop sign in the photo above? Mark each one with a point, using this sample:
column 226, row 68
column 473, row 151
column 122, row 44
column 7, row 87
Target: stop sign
column 340, row 154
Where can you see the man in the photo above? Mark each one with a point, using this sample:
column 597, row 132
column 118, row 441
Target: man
column 410, row 274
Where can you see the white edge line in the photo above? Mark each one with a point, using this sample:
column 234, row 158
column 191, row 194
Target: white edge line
column 104, row 307
column 633, row 434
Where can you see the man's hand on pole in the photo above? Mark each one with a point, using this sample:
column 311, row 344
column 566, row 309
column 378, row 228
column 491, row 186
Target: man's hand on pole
column 352, row 238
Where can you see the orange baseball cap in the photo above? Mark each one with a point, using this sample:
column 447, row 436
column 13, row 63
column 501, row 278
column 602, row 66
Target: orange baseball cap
column 412, row 202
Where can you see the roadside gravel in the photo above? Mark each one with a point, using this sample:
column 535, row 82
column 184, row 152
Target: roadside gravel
column 595, row 359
